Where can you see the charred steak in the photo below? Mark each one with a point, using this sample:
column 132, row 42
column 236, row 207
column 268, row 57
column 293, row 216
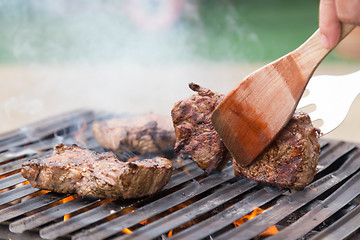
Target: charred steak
column 149, row 133
column 196, row 137
column 101, row 175
column 291, row 159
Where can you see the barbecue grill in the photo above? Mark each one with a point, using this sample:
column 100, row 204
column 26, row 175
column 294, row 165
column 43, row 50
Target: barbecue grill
column 192, row 205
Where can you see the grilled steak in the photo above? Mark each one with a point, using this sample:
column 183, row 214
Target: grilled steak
column 196, row 137
column 291, row 159
column 101, row 175
column 149, row 133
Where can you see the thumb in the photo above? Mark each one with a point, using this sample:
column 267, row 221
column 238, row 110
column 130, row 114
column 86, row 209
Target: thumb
column 329, row 24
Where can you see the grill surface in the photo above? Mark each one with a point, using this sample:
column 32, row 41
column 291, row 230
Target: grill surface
column 191, row 206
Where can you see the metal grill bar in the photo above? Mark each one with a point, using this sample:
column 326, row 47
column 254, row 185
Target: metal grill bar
column 50, row 214
column 193, row 211
column 50, row 121
column 323, row 142
column 42, row 129
column 6, row 234
column 82, row 220
column 101, row 212
column 30, row 205
column 17, row 193
column 12, row 166
column 11, row 181
column 16, row 164
column 328, row 155
column 320, row 213
column 191, row 172
column 343, row 228
column 204, row 229
column 178, row 163
column 35, row 147
column 214, row 190
column 193, row 189
column 228, row 216
column 288, row 204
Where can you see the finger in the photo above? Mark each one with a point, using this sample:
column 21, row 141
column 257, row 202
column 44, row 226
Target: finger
column 329, row 24
column 348, row 11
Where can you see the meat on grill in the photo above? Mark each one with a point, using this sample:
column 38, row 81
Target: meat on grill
column 100, row 175
column 143, row 134
column 291, row 159
column 196, row 137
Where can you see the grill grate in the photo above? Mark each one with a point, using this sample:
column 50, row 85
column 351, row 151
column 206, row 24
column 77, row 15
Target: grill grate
column 191, row 206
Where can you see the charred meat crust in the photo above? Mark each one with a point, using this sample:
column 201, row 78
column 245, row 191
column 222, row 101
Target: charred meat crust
column 196, row 137
column 100, row 175
column 143, row 134
column 291, row 160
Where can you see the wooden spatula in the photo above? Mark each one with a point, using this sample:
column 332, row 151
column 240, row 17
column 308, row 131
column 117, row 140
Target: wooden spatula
column 253, row 113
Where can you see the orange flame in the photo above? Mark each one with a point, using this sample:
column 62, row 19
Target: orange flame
column 65, row 200
column 170, row 233
column 144, row 222
column 127, row 231
column 270, row 231
column 8, row 174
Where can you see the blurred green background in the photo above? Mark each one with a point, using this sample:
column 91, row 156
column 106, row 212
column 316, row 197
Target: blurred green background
column 137, row 56
column 204, row 30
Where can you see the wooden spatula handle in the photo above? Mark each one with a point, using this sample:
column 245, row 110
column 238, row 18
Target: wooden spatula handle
column 311, row 52
column 254, row 112
column 305, row 59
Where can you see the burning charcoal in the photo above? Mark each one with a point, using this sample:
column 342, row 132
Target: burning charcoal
column 144, row 134
column 100, row 175
column 291, row 160
column 196, row 137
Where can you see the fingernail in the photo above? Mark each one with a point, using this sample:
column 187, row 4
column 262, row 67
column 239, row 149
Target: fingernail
column 325, row 41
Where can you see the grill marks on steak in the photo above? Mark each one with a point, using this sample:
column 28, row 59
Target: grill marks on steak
column 101, row 175
column 196, row 137
column 291, row 159
column 144, row 134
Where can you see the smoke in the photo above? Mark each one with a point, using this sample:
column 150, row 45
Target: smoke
column 129, row 31
column 94, row 31
column 62, row 55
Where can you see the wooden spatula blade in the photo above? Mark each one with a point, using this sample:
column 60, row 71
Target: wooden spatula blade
column 245, row 118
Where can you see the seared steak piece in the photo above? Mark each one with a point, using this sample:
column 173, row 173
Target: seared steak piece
column 291, row 159
column 149, row 133
column 196, row 137
column 101, row 175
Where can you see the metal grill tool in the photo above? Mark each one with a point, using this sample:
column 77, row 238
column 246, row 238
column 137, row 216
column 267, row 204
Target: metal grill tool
column 332, row 97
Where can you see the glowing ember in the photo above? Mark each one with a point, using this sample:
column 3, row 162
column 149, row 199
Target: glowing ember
column 66, row 217
column 270, row 231
column 127, row 231
column 144, row 222
column 8, row 174
column 170, row 233
column 44, row 192
column 65, row 200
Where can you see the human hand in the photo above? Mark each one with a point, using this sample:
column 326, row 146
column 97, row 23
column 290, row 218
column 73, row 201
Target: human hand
column 331, row 14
